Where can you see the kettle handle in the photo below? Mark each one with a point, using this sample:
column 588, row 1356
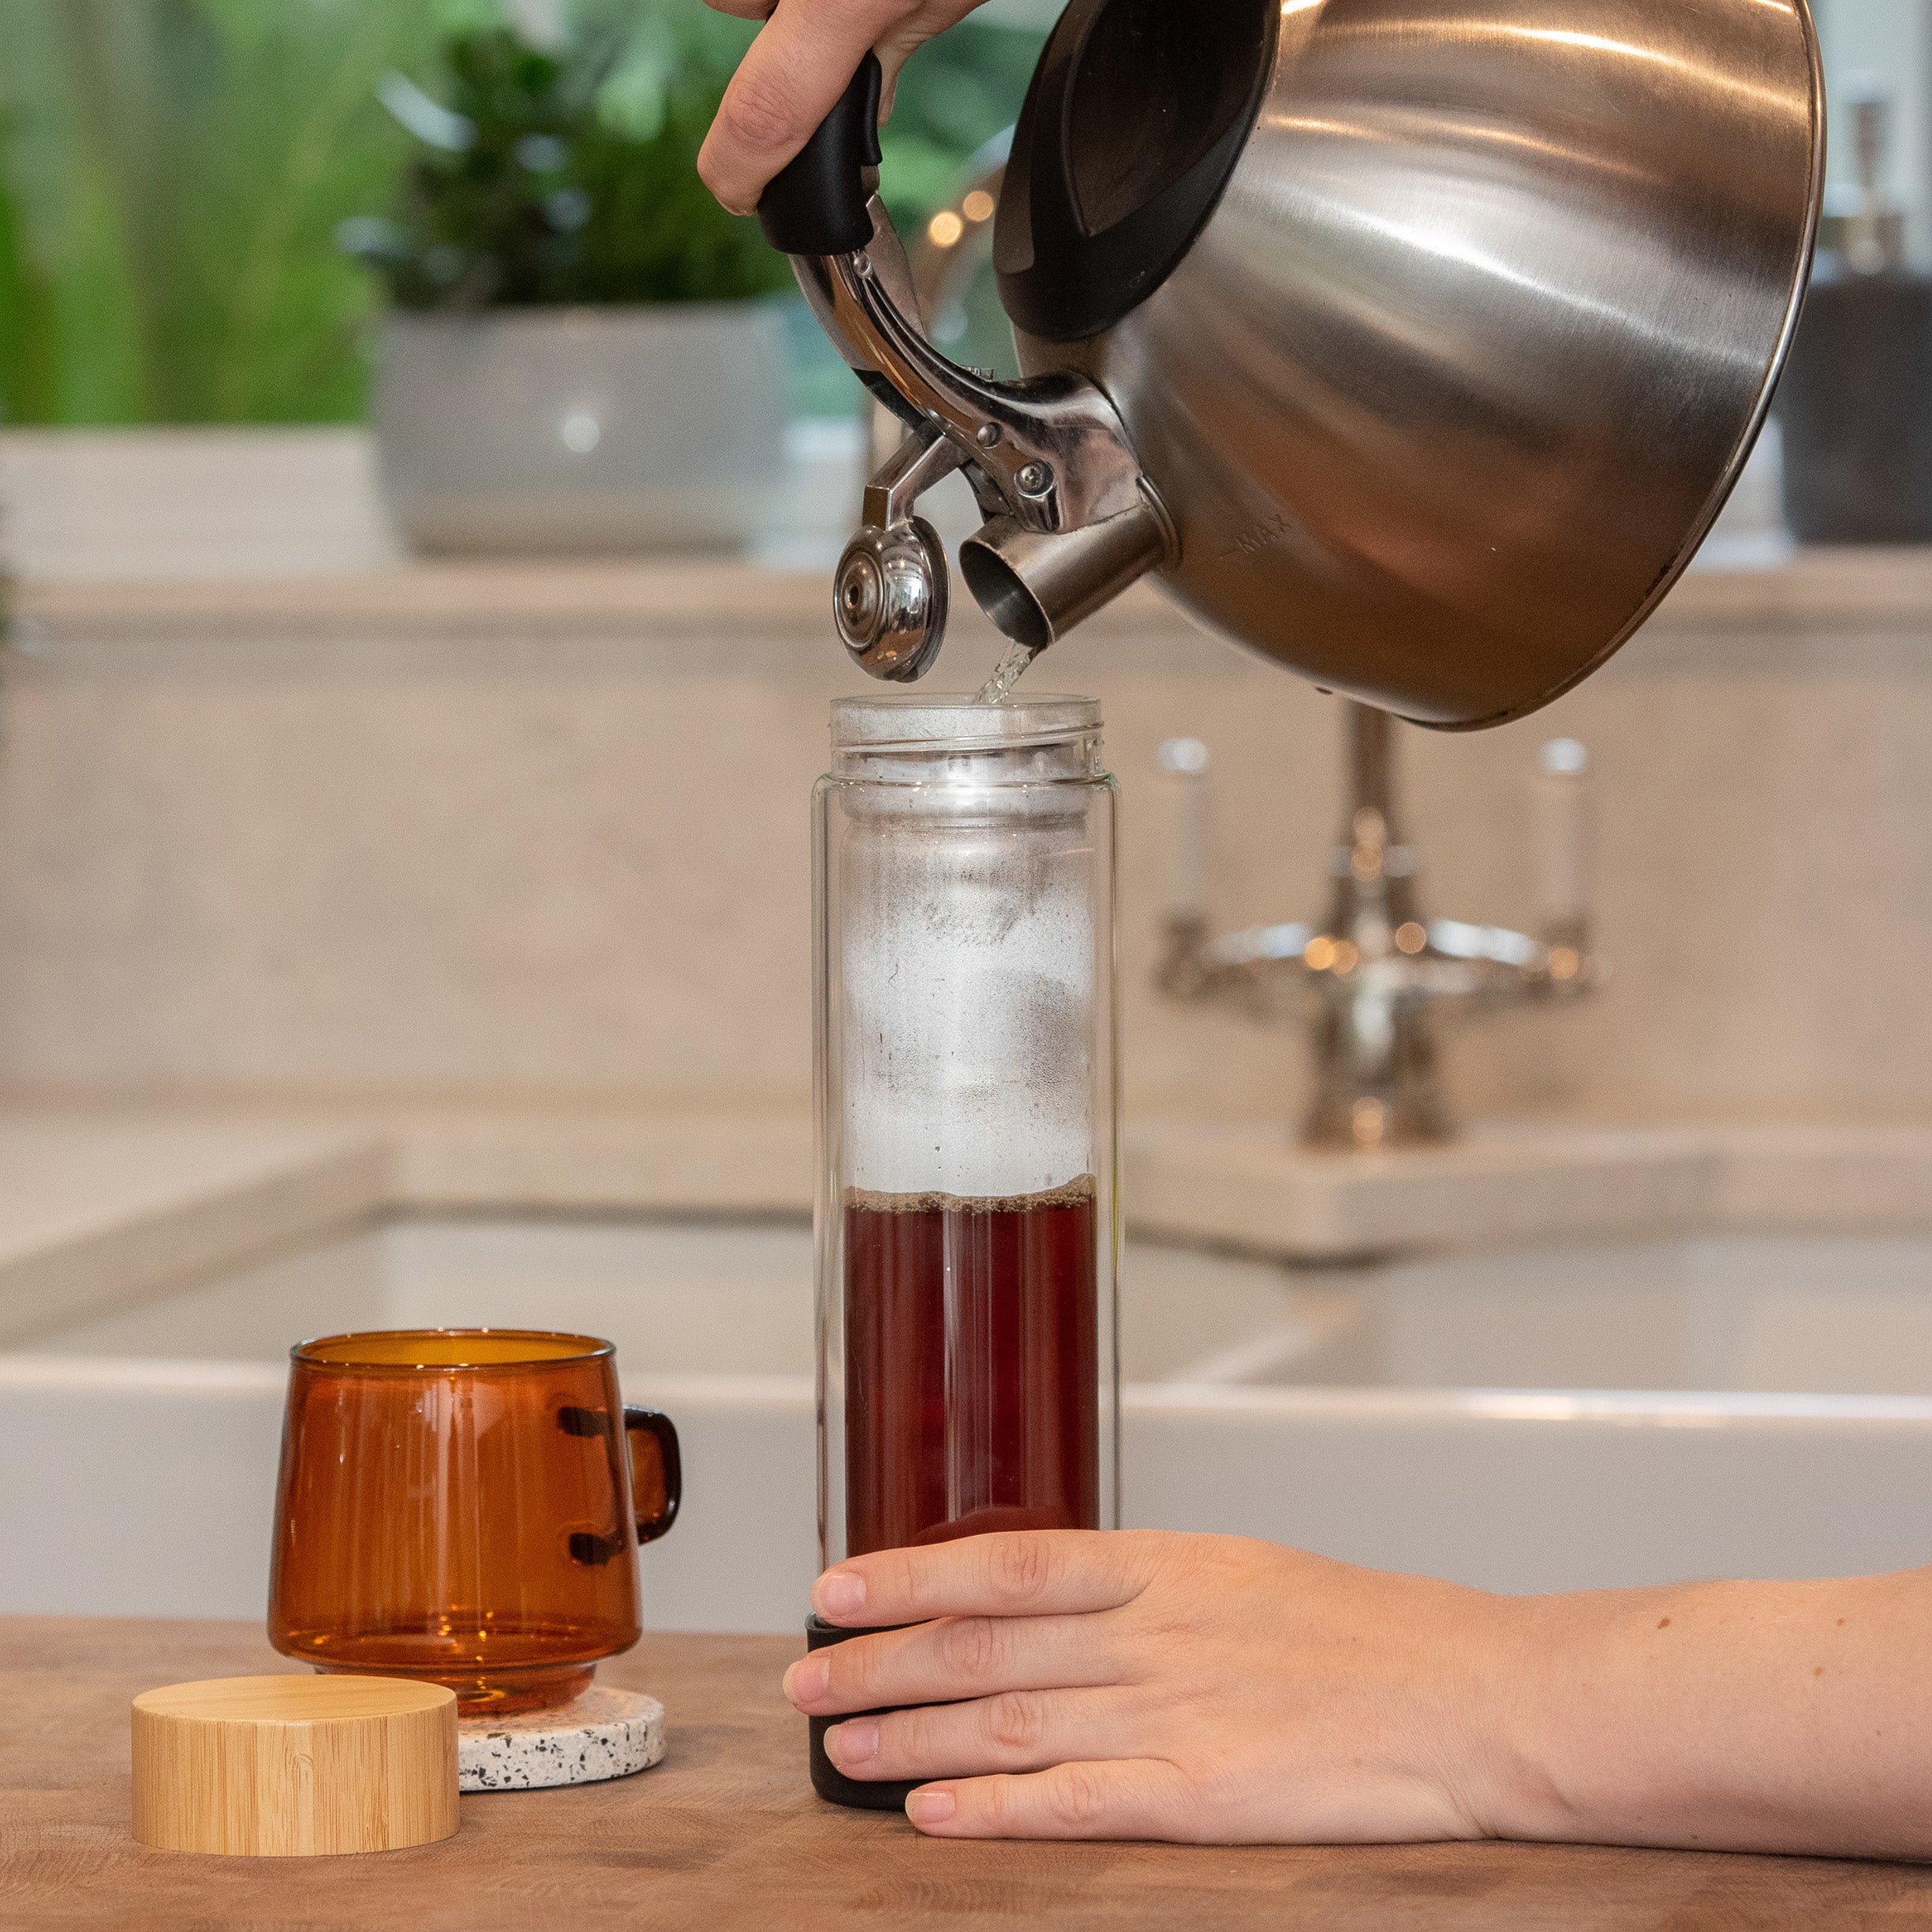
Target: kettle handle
column 1070, row 521
column 817, row 204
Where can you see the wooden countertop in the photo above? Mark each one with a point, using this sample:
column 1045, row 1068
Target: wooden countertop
column 726, row 1836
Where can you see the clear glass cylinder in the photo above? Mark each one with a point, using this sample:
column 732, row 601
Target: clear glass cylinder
column 967, row 1239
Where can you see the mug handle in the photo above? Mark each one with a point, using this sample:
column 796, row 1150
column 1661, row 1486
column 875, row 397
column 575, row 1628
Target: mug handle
column 656, row 1470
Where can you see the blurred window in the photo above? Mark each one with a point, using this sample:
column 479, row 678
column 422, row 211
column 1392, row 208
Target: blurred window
column 1881, row 50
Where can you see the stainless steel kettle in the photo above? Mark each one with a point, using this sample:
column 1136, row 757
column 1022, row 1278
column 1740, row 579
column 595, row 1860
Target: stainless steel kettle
column 1414, row 343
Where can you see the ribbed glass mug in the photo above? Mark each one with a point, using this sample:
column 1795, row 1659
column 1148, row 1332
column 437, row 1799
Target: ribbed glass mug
column 465, row 1506
column 967, row 1233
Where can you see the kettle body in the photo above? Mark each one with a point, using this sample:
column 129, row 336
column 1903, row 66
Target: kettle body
column 1433, row 332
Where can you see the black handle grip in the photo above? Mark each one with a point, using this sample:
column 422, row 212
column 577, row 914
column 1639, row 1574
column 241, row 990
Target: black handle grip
column 815, row 203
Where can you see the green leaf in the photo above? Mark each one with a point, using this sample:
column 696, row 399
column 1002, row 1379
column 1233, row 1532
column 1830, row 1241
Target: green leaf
column 174, row 174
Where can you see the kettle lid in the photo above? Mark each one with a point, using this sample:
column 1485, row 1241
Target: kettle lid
column 1137, row 114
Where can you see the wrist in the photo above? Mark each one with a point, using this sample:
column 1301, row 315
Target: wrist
column 1529, row 1698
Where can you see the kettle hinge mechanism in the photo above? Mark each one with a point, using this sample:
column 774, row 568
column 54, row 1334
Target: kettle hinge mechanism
column 1070, row 521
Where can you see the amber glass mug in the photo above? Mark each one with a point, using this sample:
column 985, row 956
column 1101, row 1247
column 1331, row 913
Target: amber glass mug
column 465, row 1506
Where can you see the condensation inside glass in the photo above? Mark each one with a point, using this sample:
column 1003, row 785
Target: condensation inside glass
column 968, row 975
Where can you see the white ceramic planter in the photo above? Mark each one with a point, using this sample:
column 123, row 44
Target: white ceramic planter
column 582, row 430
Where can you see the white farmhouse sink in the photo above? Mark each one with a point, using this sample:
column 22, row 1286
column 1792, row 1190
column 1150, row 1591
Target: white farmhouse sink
column 1824, row 1315
column 1472, row 1418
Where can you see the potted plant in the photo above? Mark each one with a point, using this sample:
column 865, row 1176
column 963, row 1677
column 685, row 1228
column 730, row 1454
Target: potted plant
column 576, row 356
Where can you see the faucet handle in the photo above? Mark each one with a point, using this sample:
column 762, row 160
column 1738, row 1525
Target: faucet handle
column 1562, row 831
column 1186, row 766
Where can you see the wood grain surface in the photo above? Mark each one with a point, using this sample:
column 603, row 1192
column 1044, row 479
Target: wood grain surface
column 725, row 1836
column 294, row 1767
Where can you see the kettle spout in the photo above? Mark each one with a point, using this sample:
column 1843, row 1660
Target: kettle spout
column 1036, row 585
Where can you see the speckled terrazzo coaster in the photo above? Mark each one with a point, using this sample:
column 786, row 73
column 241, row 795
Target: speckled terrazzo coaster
column 601, row 1735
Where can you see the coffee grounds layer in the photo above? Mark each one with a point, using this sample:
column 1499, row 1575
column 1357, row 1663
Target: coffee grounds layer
column 1070, row 1195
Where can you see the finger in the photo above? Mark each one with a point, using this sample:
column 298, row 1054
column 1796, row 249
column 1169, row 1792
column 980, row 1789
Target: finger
column 1018, row 1731
column 1129, row 1798
column 1019, row 1573
column 956, row 1657
column 796, row 68
column 743, row 9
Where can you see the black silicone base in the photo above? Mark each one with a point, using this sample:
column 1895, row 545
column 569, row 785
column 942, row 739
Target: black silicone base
column 828, row 1779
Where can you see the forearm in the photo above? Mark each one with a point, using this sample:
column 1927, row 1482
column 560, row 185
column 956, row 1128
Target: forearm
column 1749, row 1716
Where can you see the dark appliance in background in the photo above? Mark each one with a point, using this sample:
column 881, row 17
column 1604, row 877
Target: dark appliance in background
column 1856, row 405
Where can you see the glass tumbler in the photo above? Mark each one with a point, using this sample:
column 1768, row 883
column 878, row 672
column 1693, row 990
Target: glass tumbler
column 465, row 1506
column 966, row 1235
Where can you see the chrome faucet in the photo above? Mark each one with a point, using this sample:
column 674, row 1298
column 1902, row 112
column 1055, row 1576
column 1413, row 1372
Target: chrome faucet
column 1374, row 983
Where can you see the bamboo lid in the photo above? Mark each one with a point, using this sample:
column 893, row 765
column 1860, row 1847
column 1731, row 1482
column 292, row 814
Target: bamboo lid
column 291, row 1767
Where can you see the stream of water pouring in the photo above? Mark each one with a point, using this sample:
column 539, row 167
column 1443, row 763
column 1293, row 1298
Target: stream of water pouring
column 1012, row 668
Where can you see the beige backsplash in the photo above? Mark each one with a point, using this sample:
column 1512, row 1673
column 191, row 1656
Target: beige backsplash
column 542, row 835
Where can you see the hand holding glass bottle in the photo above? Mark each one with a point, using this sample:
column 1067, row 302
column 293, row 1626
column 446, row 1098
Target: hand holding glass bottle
column 1213, row 1690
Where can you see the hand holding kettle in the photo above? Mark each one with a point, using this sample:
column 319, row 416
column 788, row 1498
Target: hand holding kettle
column 796, row 71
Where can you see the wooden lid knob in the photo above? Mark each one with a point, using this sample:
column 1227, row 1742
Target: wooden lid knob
column 290, row 1767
